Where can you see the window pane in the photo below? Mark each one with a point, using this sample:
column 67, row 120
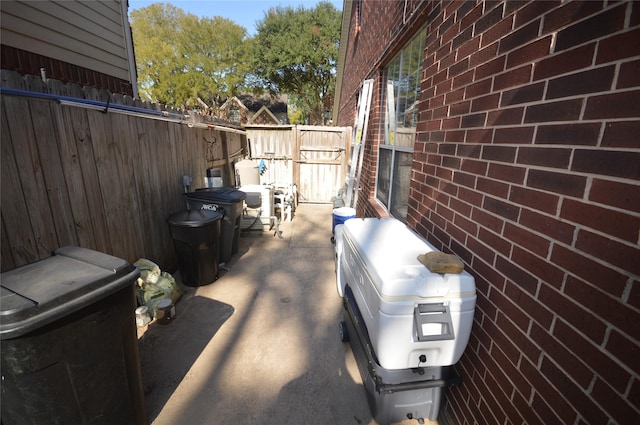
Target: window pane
column 384, row 176
column 401, row 182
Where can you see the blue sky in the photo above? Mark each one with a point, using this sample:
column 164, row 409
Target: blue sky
column 242, row 12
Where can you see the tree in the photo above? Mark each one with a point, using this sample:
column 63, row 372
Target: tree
column 295, row 52
column 183, row 60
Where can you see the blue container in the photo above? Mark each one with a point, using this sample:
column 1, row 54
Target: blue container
column 342, row 214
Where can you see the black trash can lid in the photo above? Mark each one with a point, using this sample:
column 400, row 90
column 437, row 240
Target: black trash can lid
column 217, row 194
column 194, row 218
column 39, row 293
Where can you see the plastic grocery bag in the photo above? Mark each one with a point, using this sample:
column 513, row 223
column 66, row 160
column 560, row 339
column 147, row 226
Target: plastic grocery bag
column 155, row 285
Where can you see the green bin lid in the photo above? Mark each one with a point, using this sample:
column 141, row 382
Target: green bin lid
column 39, row 293
column 193, row 218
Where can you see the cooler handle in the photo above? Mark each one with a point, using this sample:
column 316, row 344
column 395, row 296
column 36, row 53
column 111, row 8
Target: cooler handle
column 432, row 322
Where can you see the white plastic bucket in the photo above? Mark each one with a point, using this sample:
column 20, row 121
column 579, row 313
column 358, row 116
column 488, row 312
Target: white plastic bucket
column 342, row 214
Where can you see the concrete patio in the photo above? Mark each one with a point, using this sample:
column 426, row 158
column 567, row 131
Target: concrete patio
column 260, row 345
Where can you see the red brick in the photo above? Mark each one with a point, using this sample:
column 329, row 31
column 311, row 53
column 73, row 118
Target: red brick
column 614, row 223
column 464, row 179
column 525, row 94
column 492, row 187
column 540, row 201
column 508, row 116
column 489, row 69
column 600, row 25
column 577, row 397
column 529, row 53
column 588, row 269
column 573, row 313
column 624, row 348
column 564, row 110
column 516, row 337
column 546, row 157
column 490, row 221
column 507, row 173
column 481, row 250
column 517, row 275
column 578, row 372
column 475, row 167
column 629, row 75
column 585, row 82
column 497, row 242
column 484, row 55
column 571, row 60
column 538, row 311
column 462, row 80
column 470, row 196
column 474, row 120
column 615, row 194
column 485, row 103
column 533, row 10
column 615, row 105
column 479, row 88
column 489, row 18
column 569, row 134
column 514, row 135
column 634, row 295
column 512, row 78
column 499, row 153
column 468, row 48
column 483, row 135
column 561, row 411
column 606, row 249
column 610, row 309
column 570, row 12
column 520, row 37
column 510, row 310
column 592, row 355
column 538, row 266
column 619, row 46
column 468, row 151
column 617, row 407
column 495, row 399
column 566, row 184
column 610, row 163
column 526, row 239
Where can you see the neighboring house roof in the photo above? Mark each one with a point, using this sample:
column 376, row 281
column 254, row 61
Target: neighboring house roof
column 264, row 116
column 257, row 110
column 86, row 42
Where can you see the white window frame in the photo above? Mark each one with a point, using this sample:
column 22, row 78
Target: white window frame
column 401, row 95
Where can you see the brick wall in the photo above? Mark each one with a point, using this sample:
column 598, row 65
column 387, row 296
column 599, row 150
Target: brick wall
column 527, row 166
column 27, row 63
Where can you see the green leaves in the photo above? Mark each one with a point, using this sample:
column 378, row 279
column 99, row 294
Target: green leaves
column 295, row 52
column 181, row 57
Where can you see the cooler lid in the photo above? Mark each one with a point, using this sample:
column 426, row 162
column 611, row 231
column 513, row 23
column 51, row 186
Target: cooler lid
column 218, row 194
column 36, row 294
column 389, row 251
column 194, row 218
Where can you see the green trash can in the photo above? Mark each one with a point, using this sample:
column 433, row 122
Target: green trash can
column 196, row 239
column 69, row 343
column 229, row 199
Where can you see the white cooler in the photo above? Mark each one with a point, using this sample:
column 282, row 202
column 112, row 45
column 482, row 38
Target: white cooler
column 414, row 318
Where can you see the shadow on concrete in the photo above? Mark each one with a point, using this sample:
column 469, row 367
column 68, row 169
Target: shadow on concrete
column 167, row 352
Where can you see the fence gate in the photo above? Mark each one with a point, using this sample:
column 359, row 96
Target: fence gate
column 315, row 158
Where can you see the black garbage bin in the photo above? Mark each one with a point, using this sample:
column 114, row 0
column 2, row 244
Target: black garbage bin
column 196, row 239
column 69, row 343
column 230, row 200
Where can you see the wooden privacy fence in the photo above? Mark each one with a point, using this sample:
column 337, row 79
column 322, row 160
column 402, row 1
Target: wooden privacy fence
column 315, row 158
column 91, row 177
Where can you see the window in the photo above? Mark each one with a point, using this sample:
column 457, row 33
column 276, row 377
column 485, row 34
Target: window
column 401, row 96
column 234, row 114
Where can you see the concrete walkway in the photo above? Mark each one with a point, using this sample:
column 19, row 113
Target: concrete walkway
column 260, row 345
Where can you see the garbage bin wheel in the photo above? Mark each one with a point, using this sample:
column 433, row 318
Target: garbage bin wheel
column 343, row 332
